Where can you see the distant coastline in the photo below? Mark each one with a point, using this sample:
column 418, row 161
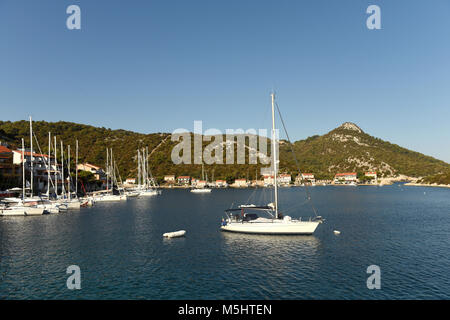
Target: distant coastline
column 427, row 185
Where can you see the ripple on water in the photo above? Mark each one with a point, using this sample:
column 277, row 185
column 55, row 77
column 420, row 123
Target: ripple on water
column 122, row 255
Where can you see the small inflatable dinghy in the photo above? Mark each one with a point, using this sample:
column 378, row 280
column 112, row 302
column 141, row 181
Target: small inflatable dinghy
column 175, row 234
column 336, row 232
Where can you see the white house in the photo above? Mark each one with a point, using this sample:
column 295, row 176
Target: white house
column 184, row 180
column 308, row 176
column 221, row 184
column 240, row 183
column 344, row 178
column 371, row 174
column 200, row 183
column 40, row 169
column 96, row 171
column 284, row 179
column 268, row 180
column 169, row 179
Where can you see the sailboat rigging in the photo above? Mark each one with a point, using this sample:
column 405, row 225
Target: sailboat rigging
column 204, row 188
column 244, row 222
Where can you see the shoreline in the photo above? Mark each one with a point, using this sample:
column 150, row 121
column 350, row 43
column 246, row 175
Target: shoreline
column 427, row 185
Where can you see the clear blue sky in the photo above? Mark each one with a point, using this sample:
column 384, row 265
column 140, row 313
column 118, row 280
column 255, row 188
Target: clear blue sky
column 154, row 66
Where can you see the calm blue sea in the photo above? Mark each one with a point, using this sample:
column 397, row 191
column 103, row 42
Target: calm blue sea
column 122, row 255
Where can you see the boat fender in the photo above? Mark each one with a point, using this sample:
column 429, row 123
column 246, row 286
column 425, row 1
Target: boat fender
column 175, row 234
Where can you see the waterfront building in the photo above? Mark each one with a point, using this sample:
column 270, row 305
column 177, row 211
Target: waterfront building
column 240, row 183
column 373, row 175
column 40, row 163
column 221, row 184
column 308, row 177
column 305, row 178
column 345, row 178
column 184, row 180
column 169, row 179
column 268, row 180
column 200, row 183
column 95, row 170
column 8, row 170
column 284, row 179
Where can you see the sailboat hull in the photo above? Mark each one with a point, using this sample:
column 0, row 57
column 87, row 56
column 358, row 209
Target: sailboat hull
column 74, row 204
column 111, row 198
column 148, row 193
column 201, row 190
column 34, row 211
column 13, row 212
column 275, row 227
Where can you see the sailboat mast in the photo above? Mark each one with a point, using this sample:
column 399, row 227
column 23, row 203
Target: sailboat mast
column 139, row 169
column 56, row 168
column 23, row 171
column 274, row 152
column 76, row 170
column 63, row 190
column 146, row 167
column 31, row 154
column 107, row 169
column 69, row 177
column 111, row 167
column 49, row 164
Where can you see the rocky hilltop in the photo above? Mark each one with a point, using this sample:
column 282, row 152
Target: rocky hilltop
column 349, row 148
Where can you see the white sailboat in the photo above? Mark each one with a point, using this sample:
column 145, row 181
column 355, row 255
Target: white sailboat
column 110, row 174
column 203, row 189
column 148, row 186
column 243, row 222
column 24, row 206
column 71, row 203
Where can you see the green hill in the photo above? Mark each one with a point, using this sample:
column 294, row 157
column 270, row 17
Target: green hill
column 346, row 148
column 440, row 178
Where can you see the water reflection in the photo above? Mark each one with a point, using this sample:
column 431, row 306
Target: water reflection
column 270, row 241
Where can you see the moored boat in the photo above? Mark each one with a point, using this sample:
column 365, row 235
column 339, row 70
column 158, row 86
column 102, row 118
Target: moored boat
column 244, row 222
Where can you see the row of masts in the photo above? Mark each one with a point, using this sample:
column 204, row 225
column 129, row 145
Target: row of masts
column 111, row 170
column 59, row 169
column 48, row 165
column 145, row 179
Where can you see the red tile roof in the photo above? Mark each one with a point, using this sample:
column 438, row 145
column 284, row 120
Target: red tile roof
column 4, row 149
column 346, row 174
column 90, row 165
column 28, row 153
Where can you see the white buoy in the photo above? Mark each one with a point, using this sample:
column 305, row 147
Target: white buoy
column 336, row 232
column 175, row 234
